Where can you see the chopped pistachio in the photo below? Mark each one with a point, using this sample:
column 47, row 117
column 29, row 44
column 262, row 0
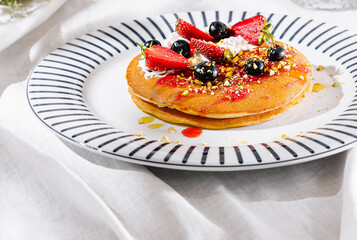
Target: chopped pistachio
column 320, row 67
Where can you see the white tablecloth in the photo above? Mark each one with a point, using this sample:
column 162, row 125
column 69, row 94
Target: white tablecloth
column 52, row 190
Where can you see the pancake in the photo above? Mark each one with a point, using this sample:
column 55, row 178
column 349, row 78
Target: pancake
column 178, row 117
column 233, row 95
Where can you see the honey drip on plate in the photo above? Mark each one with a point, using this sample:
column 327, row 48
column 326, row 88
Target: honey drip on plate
column 154, row 126
column 318, row 87
column 171, row 130
column 146, row 119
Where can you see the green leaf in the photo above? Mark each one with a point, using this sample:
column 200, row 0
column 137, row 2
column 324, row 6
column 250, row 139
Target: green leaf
column 266, row 36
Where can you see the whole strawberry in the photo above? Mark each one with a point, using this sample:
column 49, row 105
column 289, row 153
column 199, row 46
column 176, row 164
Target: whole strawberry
column 158, row 58
column 188, row 31
column 255, row 30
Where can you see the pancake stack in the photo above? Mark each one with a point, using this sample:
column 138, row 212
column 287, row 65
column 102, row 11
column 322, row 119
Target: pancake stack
column 233, row 99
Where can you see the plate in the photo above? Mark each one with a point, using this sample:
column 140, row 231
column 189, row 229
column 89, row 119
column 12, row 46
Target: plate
column 79, row 91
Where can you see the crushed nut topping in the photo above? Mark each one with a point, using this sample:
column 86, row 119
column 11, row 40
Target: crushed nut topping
column 320, row 67
column 165, row 139
column 139, row 134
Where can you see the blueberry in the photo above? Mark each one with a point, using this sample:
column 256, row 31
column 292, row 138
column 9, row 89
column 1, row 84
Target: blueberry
column 254, row 67
column 151, row 43
column 206, row 71
column 182, row 47
column 218, row 30
column 276, row 53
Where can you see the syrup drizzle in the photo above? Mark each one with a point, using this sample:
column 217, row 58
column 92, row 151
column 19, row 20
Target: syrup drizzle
column 318, row 87
column 155, row 126
column 145, row 120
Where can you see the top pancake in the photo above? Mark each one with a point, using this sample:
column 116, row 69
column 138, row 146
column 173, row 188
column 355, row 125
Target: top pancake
column 240, row 95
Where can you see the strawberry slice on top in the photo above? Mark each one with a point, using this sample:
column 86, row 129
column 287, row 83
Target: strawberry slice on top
column 211, row 50
column 188, row 31
column 158, row 58
column 192, row 51
column 255, row 30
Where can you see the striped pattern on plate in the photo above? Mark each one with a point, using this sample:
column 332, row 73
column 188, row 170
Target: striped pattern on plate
column 55, row 94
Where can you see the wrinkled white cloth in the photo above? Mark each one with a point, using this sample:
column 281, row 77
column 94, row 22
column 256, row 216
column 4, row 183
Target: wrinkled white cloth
column 14, row 30
column 52, row 190
column 328, row 4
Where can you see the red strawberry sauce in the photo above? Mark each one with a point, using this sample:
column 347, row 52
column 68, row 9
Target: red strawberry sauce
column 179, row 96
column 191, row 132
column 172, row 81
column 236, row 94
column 233, row 95
column 301, row 68
column 176, row 79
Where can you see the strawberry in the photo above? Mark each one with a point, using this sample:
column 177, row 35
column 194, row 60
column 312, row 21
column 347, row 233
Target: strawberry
column 188, row 31
column 211, row 51
column 158, row 58
column 255, row 30
column 192, row 49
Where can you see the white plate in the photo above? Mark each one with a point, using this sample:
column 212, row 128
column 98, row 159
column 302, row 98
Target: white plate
column 80, row 92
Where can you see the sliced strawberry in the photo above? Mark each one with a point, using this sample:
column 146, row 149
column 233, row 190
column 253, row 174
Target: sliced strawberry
column 188, row 31
column 254, row 30
column 210, row 50
column 158, row 58
column 192, row 49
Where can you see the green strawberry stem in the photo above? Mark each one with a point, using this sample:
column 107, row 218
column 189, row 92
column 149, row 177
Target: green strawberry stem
column 228, row 54
column 266, row 36
column 142, row 47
